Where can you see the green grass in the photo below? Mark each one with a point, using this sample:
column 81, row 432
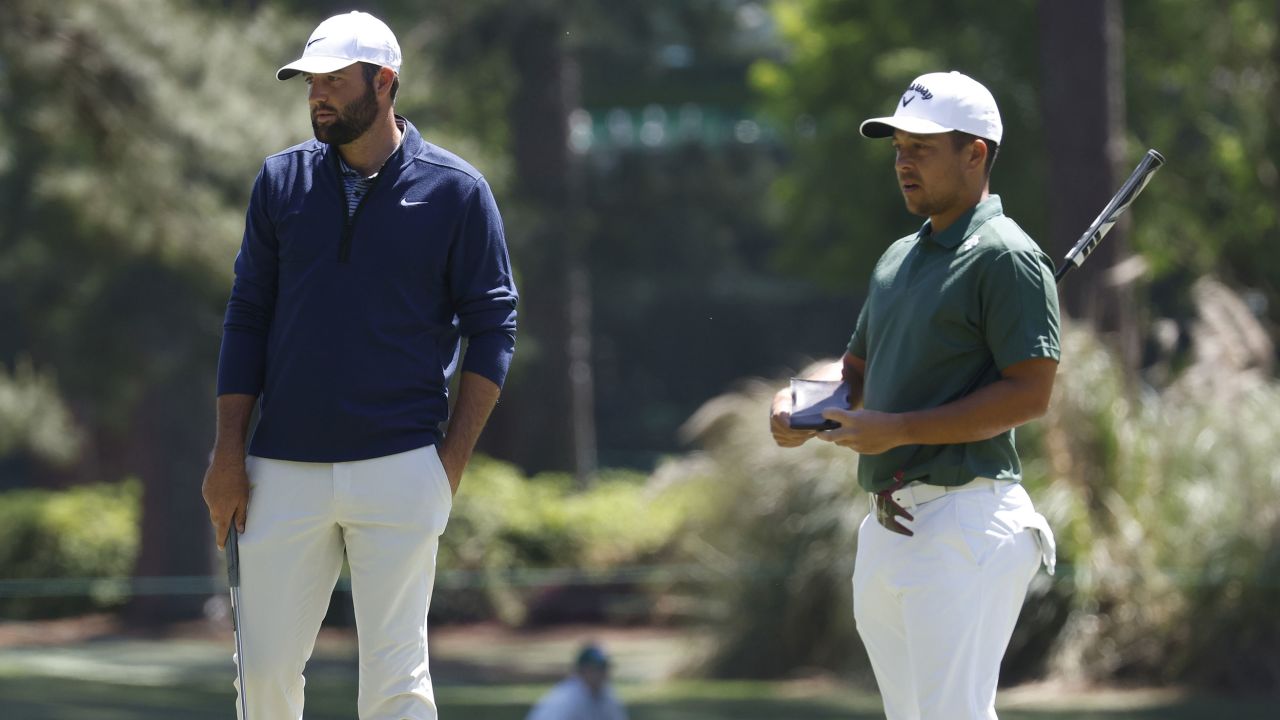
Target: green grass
column 492, row 678
column 58, row 698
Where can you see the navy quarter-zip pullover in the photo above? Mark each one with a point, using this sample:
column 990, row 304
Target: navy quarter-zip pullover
column 348, row 324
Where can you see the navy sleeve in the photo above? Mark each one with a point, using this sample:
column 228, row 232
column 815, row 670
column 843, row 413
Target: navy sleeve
column 242, row 361
column 482, row 289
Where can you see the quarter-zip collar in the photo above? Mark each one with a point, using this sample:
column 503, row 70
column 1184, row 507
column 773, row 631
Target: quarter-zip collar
column 396, row 161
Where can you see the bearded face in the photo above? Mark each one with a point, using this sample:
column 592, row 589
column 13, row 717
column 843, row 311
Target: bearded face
column 339, row 125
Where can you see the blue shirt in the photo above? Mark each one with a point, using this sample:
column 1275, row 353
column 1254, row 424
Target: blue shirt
column 348, row 324
column 573, row 699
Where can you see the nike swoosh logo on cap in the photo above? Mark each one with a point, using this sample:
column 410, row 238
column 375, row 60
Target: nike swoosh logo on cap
column 313, row 42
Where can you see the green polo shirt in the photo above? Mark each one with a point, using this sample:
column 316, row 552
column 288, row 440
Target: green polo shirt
column 940, row 309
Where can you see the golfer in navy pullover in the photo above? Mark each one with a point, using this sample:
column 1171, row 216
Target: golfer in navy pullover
column 348, row 323
column 368, row 254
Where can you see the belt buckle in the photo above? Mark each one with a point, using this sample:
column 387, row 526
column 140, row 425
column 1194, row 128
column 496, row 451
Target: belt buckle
column 888, row 510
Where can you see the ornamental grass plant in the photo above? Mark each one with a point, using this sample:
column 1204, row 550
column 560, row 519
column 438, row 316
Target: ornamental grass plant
column 1167, row 507
column 778, row 532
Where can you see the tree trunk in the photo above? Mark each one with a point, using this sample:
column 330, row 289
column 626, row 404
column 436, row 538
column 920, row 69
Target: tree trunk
column 554, row 385
column 1273, row 135
column 176, row 535
column 1082, row 59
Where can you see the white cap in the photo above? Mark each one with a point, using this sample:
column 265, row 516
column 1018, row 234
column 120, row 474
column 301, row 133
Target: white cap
column 938, row 103
column 345, row 39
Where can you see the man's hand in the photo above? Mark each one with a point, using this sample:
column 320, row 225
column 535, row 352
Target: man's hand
column 453, row 466
column 866, row 432
column 226, row 492
column 477, row 395
column 780, row 422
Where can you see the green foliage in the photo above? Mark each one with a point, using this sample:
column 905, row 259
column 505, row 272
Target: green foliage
column 1212, row 112
column 178, row 131
column 127, row 157
column 848, row 60
column 33, row 418
column 84, row 532
column 504, row 522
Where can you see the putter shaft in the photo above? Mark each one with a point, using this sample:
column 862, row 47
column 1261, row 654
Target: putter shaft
column 233, row 580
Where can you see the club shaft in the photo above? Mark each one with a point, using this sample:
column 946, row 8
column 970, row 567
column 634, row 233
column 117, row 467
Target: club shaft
column 235, row 621
column 233, row 579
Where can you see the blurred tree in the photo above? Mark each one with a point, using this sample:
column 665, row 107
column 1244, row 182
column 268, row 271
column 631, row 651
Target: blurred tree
column 124, row 155
column 557, row 377
column 36, row 428
column 1212, row 113
column 676, row 163
column 1083, row 96
column 846, row 61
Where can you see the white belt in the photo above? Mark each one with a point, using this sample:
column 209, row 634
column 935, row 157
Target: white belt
column 918, row 493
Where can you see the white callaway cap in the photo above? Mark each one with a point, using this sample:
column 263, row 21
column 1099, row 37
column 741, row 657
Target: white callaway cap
column 938, row 103
column 345, row 39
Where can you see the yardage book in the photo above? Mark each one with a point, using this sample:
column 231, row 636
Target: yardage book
column 810, row 397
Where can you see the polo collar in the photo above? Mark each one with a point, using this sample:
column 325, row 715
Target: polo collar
column 965, row 225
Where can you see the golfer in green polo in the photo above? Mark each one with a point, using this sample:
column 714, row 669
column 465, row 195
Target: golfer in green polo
column 956, row 345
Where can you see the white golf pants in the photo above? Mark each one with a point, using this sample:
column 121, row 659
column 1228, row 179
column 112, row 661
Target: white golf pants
column 936, row 610
column 386, row 514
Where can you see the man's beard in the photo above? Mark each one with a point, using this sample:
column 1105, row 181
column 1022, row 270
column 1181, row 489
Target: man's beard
column 350, row 123
column 929, row 206
column 922, row 208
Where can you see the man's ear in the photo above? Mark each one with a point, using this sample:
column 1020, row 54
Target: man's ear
column 978, row 150
column 382, row 81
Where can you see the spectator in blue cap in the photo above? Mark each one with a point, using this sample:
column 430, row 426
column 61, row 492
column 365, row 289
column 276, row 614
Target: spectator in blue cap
column 584, row 695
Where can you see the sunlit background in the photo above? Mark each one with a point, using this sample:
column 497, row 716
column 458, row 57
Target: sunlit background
column 693, row 217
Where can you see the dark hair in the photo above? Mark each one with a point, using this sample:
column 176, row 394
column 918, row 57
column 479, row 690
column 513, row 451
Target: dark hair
column 371, row 71
column 592, row 656
column 960, row 138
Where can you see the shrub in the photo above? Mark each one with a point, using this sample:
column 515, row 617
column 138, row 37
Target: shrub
column 84, row 532
column 505, row 526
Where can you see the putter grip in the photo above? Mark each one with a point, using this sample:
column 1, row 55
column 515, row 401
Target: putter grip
column 233, row 558
column 1115, row 207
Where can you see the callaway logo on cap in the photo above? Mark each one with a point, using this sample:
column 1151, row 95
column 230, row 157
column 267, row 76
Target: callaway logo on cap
column 345, row 39
column 916, row 90
column 938, row 103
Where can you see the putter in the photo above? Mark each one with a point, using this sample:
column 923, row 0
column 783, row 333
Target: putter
column 233, row 579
